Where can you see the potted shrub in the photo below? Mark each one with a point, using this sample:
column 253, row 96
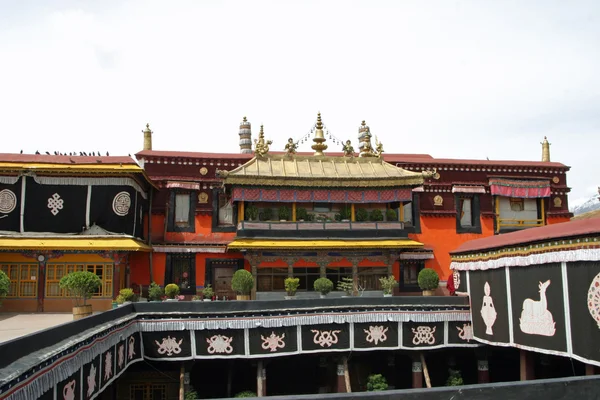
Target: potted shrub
column 4, row 285
column 125, row 296
column 172, row 292
column 376, row 383
column 155, row 293
column 387, row 285
column 323, row 286
column 196, row 297
column 291, row 285
column 345, row 213
column 242, row 283
column 81, row 285
column 362, row 215
column 301, row 214
column 346, row 285
column 376, row 215
column 454, row 378
column 391, row 215
column 284, row 213
column 208, row 292
column 251, row 212
column 428, row 281
column 267, row 214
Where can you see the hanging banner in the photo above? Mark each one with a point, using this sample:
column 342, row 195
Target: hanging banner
column 489, row 305
column 174, row 345
column 91, row 378
column 220, row 343
column 325, row 337
column 460, row 333
column 376, row 335
column 419, row 334
column 70, row 388
column 114, row 208
column 584, row 308
column 10, row 206
column 272, row 341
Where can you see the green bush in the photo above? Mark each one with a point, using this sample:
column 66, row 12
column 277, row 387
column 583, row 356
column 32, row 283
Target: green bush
column 284, row 213
column 191, row 395
column 362, row 215
column 323, row 285
column 391, row 215
column 242, row 282
column 171, row 290
column 388, row 284
column 245, row 393
column 251, row 212
column 291, row 285
column 266, row 214
column 346, row 285
column 208, row 291
column 454, row 378
column 81, row 285
column 376, row 383
column 345, row 212
column 376, row 215
column 301, row 213
column 155, row 292
column 4, row 285
column 428, row 279
column 126, row 295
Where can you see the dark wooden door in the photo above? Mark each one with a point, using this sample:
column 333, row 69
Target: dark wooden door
column 222, row 282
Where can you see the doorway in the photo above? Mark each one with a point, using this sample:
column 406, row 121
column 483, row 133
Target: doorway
column 219, row 273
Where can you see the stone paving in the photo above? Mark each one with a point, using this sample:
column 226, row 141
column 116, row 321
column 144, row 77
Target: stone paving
column 13, row 325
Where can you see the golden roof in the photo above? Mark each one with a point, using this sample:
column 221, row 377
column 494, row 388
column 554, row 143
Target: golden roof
column 321, row 171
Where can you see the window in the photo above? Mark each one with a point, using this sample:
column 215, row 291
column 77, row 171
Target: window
column 336, row 274
column 518, row 213
column 148, row 391
column 307, row 277
column 182, row 210
column 467, row 214
column 322, row 207
column 368, row 277
column 55, row 271
column 409, row 273
column 407, row 214
column 271, row 279
column 225, row 212
column 517, row 205
column 181, row 270
column 23, row 279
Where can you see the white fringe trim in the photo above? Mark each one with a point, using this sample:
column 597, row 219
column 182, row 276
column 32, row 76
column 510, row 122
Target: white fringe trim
column 533, row 259
column 57, row 180
column 9, row 180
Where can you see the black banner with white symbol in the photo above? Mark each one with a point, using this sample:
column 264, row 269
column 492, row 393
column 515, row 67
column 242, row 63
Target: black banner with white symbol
column 376, row 334
column 70, row 388
column 107, row 366
column 326, row 337
column 460, row 332
column 113, row 208
column 584, row 306
column 91, row 378
column 10, row 207
column 221, row 342
column 422, row 334
column 273, row 340
column 134, row 348
column 168, row 344
column 489, row 305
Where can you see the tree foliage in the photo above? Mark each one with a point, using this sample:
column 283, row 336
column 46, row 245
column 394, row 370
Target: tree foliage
column 81, row 285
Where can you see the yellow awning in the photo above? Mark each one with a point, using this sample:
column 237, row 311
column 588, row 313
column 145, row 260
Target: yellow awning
column 240, row 244
column 78, row 243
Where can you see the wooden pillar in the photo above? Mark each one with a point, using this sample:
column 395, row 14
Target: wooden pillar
column 41, row 281
column 497, row 202
column 294, row 212
column 483, row 371
column 527, row 365
column 290, row 266
column 355, row 261
column 116, row 274
column 341, row 380
column 543, row 211
column 417, row 374
column 240, row 211
column 181, row 382
column 322, row 262
column 352, row 213
column 253, row 259
column 260, row 379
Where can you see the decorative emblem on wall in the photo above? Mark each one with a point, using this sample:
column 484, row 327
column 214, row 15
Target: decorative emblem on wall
column 556, row 179
column 121, row 203
column 203, row 171
column 131, row 348
column 423, row 335
column 466, row 332
column 273, row 342
column 69, row 390
column 108, row 366
column 557, row 202
column 376, row 334
column 8, row 201
column 594, row 299
column 203, row 198
column 488, row 312
column 169, row 346
column 438, row 200
column 219, row 344
column 536, row 319
column 121, row 356
column 91, row 381
column 417, row 367
column 55, row 204
column 325, row 338
column 456, row 279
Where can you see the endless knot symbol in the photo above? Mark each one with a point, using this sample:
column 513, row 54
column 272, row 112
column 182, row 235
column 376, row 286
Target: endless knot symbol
column 423, row 334
column 376, row 334
column 219, row 344
column 273, row 342
column 325, row 338
column 169, row 345
column 8, row 201
column 121, row 203
column 55, row 204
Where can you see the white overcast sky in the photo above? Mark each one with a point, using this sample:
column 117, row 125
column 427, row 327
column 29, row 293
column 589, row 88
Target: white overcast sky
column 454, row 79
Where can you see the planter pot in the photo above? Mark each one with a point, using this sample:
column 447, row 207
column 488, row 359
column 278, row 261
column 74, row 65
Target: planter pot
column 289, row 297
column 322, row 296
column 207, row 299
column 155, row 301
column 242, row 297
column 115, row 304
column 387, row 295
column 82, row 311
column 428, row 292
column 172, row 300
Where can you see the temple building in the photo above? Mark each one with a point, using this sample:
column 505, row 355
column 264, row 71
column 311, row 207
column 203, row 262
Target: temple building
column 360, row 214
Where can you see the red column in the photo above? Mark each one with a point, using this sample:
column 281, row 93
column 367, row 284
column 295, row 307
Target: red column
column 483, row 371
column 417, row 374
column 264, row 381
column 527, row 365
column 41, row 277
column 341, row 380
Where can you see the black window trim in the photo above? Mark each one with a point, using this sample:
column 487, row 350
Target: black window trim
column 191, row 226
column 402, row 287
column 416, row 215
column 475, row 213
column 169, row 271
column 215, row 214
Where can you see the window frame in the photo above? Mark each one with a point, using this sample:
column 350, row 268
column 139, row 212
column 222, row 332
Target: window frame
column 16, row 285
column 269, row 271
column 215, row 214
column 402, row 285
column 171, row 257
column 416, row 215
column 191, row 224
column 106, row 289
column 475, row 213
column 371, row 271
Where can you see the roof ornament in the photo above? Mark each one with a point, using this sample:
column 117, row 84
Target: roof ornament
column 147, row 137
column 365, row 146
column 545, row 150
column 429, row 174
column 348, row 149
column 261, row 147
column 291, row 147
column 319, row 138
column 245, row 137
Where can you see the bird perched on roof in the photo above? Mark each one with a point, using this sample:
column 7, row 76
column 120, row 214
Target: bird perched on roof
column 37, row 152
column 21, row 151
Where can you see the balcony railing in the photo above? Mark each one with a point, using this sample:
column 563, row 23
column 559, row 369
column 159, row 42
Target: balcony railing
column 319, row 226
column 519, row 223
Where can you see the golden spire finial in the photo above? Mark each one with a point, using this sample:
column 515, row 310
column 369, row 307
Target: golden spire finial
column 545, row 150
column 319, row 138
column 147, row 137
column 261, row 146
column 245, row 119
